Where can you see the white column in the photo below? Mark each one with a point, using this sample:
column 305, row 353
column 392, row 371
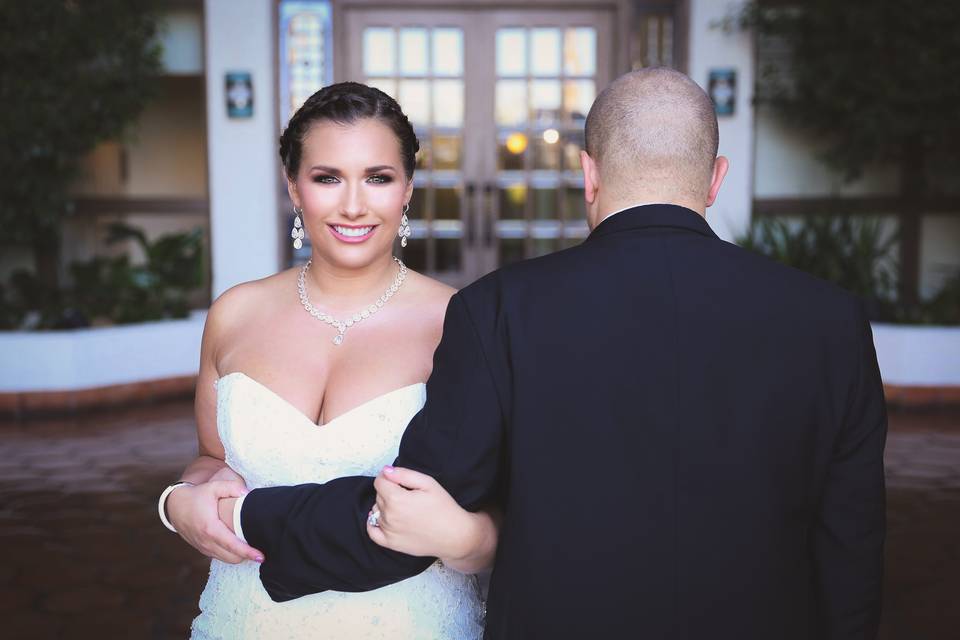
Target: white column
column 713, row 48
column 242, row 153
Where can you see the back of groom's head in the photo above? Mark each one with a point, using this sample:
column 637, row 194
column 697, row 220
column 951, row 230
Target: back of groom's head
column 653, row 134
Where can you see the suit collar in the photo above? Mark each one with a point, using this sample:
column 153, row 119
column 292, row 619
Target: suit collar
column 653, row 215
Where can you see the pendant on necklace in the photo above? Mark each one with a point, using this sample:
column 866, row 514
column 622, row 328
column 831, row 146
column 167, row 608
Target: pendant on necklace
column 338, row 339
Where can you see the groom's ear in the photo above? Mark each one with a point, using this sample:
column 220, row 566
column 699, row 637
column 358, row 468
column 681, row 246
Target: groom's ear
column 720, row 166
column 591, row 177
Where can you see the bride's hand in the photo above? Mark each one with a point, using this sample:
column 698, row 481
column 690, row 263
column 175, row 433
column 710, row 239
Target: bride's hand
column 418, row 517
column 226, row 473
column 193, row 511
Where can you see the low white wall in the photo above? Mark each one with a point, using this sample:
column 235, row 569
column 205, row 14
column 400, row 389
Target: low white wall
column 100, row 357
column 918, row 356
column 89, row 358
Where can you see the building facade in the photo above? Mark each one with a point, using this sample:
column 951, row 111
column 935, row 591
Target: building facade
column 497, row 92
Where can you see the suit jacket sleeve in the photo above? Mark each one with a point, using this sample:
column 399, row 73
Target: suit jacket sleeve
column 314, row 536
column 850, row 532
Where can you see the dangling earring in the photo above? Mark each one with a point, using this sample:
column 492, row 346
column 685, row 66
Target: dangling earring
column 404, row 232
column 297, row 232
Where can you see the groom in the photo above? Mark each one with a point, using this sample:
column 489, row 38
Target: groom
column 686, row 439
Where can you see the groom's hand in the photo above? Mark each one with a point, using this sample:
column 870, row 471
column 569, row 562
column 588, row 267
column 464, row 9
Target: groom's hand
column 193, row 511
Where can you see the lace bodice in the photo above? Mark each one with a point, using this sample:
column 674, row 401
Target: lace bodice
column 270, row 442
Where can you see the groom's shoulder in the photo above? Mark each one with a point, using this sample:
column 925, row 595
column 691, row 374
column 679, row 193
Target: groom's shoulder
column 516, row 279
column 773, row 283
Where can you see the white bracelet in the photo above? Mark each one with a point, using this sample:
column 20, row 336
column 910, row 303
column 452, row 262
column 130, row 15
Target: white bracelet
column 162, row 503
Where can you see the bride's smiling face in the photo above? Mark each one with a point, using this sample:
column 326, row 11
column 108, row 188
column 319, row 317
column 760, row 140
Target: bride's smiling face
column 352, row 188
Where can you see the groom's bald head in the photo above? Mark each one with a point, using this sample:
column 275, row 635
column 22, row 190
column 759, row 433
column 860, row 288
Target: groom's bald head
column 653, row 132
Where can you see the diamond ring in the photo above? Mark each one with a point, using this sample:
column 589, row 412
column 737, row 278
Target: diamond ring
column 373, row 520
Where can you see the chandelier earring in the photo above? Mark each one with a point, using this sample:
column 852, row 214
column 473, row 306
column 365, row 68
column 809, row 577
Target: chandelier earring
column 404, row 232
column 297, row 232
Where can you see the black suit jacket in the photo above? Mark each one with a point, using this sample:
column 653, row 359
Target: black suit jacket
column 686, row 439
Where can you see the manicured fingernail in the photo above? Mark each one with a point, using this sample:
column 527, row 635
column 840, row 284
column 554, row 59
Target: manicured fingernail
column 244, row 492
column 258, row 558
column 388, row 469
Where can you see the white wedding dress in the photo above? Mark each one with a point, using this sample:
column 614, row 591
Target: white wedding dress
column 270, row 442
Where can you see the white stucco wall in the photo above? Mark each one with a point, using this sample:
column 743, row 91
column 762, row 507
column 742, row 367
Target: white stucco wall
column 714, row 48
column 242, row 152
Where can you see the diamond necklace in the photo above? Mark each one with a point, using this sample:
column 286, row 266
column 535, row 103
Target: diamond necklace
column 343, row 325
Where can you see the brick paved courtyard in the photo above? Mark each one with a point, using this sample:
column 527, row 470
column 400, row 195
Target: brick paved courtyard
column 84, row 556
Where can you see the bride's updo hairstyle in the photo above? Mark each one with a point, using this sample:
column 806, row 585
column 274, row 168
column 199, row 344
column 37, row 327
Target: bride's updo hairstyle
column 345, row 103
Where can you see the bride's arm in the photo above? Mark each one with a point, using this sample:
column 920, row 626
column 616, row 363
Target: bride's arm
column 418, row 517
column 193, row 509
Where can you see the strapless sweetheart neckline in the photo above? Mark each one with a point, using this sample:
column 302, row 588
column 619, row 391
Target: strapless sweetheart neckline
column 304, row 416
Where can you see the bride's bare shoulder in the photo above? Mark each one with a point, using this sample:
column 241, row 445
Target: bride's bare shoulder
column 430, row 296
column 243, row 303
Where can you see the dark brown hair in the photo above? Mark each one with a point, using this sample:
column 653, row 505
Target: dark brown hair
column 345, row 103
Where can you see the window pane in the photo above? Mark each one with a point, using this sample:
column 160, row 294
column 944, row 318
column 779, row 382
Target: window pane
column 543, row 246
column 573, row 143
column 447, row 52
column 578, row 96
column 414, row 255
column 512, row 201
column 418, row 207
column 545, row 204
column 378, row 51
column 387, row 85
column 448, row 103
column 580, row 51
column 576, row 205
column 413, row 52
column 414, row 99
column 545, row 102
column 448, row 254
column 511, row 103
column 511, row 52
column 546, row 155
column 446, row 204
column 545, row 52
column 510, row 152
column 446, row 152
column 511, row 250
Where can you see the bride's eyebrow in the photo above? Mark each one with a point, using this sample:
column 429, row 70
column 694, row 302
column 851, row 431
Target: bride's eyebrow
column 380, row 167
column 325, row 169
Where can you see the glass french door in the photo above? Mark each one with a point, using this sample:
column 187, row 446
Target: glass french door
column 498, row 100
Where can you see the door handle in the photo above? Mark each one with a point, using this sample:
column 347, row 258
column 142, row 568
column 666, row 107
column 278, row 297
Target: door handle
column 469, row 219
column 488, row 190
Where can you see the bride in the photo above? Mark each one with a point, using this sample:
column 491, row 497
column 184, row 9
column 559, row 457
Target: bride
column 313, row 374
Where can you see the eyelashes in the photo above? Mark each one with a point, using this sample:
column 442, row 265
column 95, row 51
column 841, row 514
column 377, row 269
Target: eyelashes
column 377, row 178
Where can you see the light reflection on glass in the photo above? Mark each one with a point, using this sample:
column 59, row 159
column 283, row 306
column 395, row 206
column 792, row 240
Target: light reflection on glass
column 572, row 145
column 446, row 152
column 378, row 51
column 511, row 52
column 546, row 156
column 447, row 52
column 448, row 103
column 511, row 103
column 545, row 101
column 545, row 52
column 512, row 202
column 578, row 96
column 580, row 51
column 413, row 52
column 415, row 98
